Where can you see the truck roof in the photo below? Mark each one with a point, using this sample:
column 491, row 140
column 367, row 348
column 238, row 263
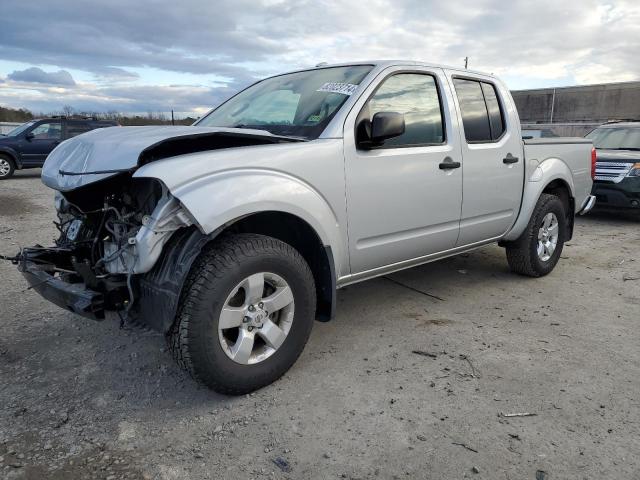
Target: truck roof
column 389, row 63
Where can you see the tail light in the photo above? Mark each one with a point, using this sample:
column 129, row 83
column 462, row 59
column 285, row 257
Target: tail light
column 594, row 159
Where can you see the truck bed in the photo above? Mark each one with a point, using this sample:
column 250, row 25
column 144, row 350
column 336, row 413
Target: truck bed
column 574, row 152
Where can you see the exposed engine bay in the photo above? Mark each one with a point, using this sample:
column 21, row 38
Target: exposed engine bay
column 109, row 232
column 126, row 243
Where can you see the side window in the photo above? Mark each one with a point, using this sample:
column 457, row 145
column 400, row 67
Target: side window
column 481, row 113
column 76, row 128
column 493, row 107
column 47, row 131
column 416, row 96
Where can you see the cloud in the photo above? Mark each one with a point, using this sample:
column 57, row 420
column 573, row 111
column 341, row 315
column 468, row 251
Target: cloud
column 115, row 74
column 199, row 37
column 230, row 43
column 37, row 75
column 121, row 98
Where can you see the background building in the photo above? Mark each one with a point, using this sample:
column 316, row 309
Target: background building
column 577, row 110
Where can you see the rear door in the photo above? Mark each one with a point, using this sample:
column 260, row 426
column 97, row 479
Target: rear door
column 40, row 141
column 401, row 204
column 493, row 170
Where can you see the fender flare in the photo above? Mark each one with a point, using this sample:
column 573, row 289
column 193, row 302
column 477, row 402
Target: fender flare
column 221, row 198
column 542, row 175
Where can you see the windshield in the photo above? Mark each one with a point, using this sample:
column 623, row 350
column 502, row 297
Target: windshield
column 616, row 138
column 296, row 104
column 18, row 130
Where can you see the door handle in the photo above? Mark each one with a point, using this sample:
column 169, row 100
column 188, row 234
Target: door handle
column 449, row 164
column 509, row 159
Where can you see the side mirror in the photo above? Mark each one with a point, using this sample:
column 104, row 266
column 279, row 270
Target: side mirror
column 29, row 136
column 384, row 125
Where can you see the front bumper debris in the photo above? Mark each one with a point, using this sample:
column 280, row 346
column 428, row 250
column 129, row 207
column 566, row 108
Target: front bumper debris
column 40, row 267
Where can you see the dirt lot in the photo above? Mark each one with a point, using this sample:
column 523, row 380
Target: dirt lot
column 80, row 399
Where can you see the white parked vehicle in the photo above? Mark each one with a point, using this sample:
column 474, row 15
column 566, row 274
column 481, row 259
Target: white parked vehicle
column 231, row 236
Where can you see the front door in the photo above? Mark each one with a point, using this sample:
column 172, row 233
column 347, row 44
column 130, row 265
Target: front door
column 39, row 142
column 403, row 197
column 492, row 149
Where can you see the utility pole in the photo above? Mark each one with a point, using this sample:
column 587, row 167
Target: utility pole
column 172, row 121
column 466, row 62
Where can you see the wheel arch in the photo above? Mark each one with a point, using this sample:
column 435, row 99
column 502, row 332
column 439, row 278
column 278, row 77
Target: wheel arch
column 561, row 189
column 159, row 290
column 296, row 232
column 13, row 156
column 550, row 176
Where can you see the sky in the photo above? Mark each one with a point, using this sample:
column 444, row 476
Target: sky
column 189, row 55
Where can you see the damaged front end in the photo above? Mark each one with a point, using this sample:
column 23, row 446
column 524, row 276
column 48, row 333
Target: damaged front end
column 126, row 243
column 111, row 235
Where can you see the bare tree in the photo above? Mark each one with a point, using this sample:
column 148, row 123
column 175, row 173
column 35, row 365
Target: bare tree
column 67, row 110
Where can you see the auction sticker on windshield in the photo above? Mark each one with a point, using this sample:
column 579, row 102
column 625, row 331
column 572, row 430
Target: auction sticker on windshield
column 337, row 87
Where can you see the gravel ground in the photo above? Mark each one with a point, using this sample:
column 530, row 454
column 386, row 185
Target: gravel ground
column 80, row 399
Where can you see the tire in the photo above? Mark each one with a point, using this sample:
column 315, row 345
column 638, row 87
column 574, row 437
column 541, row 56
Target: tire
column 523, row 254
column 7, row 167
column 195, row 339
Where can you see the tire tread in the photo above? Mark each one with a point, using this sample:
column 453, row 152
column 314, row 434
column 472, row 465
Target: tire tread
column 212, row 265
column 519, row 254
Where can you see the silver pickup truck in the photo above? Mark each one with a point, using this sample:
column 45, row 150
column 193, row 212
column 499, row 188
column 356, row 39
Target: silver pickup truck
column 232, row 235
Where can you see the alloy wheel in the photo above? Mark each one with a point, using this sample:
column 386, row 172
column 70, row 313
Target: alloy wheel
column 256, row 318
column 548, row 237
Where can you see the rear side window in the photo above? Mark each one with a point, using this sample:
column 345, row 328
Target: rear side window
column 480, row 108
column 415, row 95
column 493, row 107
column 74, row 129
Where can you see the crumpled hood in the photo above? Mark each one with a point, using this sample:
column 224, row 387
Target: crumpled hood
column 105, row 152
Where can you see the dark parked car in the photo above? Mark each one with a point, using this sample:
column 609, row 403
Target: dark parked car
column 28, row 145
column 617, row 178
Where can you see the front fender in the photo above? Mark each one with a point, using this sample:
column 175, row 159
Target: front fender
column 223, row 197
column 539, row 175
column 13, row 154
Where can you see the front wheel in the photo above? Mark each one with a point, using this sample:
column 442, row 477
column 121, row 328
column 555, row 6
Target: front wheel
column 537, row 251
column 6, row 167
column 245, row 315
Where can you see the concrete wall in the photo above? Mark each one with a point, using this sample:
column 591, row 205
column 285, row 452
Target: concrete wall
column 564, row 129
column 591, row 103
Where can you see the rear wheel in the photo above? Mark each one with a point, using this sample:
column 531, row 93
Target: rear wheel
column 538, row 249
column 7, row 167
column 246, row 314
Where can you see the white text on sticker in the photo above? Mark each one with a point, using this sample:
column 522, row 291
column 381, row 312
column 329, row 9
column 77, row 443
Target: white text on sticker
column 337, row 87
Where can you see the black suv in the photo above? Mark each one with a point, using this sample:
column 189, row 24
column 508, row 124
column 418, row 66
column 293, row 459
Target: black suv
column 28, row 145
column 617, row 179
